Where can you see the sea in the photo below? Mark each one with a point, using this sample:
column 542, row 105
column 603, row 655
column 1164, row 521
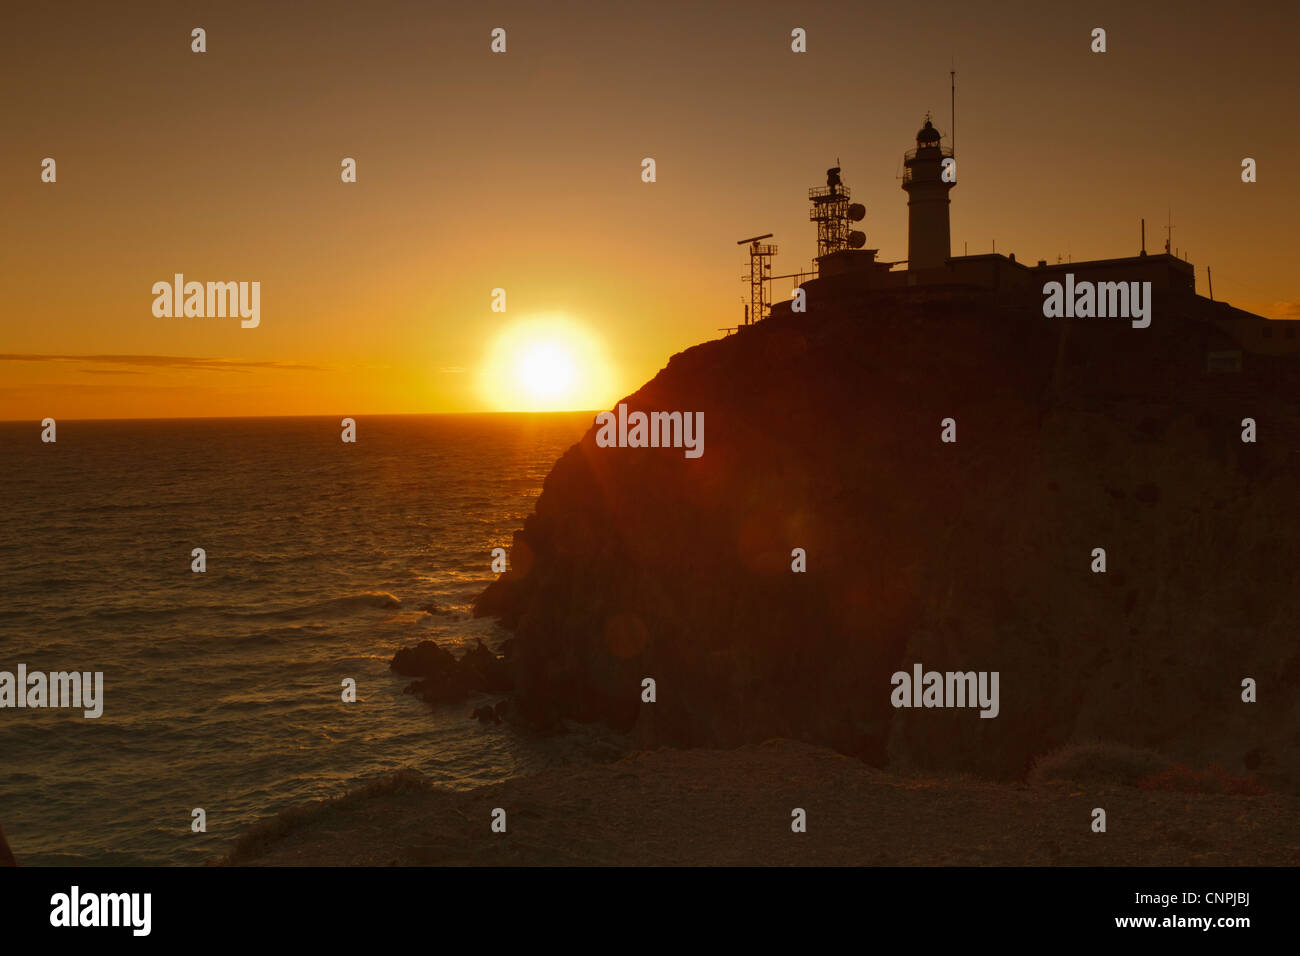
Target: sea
column 223, row 690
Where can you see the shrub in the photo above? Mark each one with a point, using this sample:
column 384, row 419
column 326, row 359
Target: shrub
column 1180, row 778
column 1097, row 762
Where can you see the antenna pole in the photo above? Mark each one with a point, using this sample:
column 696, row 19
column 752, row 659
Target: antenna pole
column 952, row 136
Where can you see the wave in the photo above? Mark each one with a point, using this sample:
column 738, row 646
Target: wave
column 334, row 607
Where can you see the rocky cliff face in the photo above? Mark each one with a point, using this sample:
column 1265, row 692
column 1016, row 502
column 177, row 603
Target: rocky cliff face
column 822, row 432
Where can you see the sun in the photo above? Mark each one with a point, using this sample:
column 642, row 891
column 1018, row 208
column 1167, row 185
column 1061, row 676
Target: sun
column 545, row 370
column 546, row 363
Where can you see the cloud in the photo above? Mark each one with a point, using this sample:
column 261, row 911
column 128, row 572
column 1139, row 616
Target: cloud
column 161, row 361
column 42, row 390
column 1285, row 310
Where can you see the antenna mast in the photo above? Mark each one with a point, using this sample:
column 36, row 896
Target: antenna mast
column 952, row 134
column 760, row 264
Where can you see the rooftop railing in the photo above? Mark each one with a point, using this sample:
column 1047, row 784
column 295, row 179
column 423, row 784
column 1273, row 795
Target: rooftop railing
column 825, row 192
column 943, row 152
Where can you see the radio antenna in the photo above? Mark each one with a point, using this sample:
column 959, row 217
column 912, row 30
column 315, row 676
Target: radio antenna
column 952, row 134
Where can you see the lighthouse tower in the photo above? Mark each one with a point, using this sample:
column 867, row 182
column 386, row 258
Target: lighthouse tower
column 928, row 245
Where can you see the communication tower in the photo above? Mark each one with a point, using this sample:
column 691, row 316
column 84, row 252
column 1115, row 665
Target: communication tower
column 833, row 212
column 760, row 267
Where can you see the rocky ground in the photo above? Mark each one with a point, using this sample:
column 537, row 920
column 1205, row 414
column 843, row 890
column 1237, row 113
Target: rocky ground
column 733, row 807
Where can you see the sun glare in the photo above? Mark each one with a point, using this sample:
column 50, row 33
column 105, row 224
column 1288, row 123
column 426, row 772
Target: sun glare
column 546, row 363
column 546, row 370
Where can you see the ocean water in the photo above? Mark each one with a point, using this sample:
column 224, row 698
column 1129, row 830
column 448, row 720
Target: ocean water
column 222, row 690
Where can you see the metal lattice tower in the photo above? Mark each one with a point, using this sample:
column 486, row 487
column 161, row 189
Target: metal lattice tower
column 830, row 210
column 760, row 267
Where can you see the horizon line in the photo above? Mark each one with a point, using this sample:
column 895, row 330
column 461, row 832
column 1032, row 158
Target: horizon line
column 242, row 418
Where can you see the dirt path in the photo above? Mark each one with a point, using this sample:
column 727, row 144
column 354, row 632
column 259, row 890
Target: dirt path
column 714, row 807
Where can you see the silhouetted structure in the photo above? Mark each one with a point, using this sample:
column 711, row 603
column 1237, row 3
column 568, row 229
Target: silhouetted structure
column 760, row 267
column 845, row 271
column 928, row 239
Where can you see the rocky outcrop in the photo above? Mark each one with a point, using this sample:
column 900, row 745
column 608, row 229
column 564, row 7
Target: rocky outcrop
column 444, row 679
column 6, row 854
column 822, row 433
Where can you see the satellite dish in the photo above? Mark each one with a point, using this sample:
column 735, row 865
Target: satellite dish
column 857, row 212
column 857, row 239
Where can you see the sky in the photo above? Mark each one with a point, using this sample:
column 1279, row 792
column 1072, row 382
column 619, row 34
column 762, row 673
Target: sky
column 522, row 171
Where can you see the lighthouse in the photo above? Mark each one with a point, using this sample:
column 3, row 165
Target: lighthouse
column 928, row 244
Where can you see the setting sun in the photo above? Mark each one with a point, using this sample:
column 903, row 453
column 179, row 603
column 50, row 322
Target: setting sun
column 545, row 370
column 546, row 363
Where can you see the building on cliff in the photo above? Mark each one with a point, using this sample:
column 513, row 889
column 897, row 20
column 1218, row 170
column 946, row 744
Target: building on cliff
column 847, row 274
column 929, row 172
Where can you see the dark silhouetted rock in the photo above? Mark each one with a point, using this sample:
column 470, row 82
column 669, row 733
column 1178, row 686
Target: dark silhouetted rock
column 489, row 671
column 1147, row 493
column 446, row 680
column 452, row 688
column 426, row 659
column 822, row 432
column 6, row 854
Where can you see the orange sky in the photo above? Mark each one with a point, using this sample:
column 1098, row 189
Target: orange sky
column 522, row 171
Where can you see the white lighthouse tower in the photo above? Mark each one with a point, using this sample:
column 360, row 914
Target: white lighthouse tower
column 928, row 242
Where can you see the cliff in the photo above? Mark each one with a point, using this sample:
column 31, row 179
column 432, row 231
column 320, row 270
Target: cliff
column 822, row 432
